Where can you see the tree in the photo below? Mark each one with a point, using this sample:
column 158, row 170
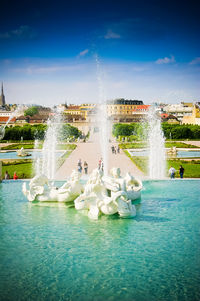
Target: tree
column 31, row 111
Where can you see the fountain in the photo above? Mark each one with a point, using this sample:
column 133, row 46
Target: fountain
column 102, row 119
column 156, row 143
column 55, row 254
column 101, row 194
column 46, row 165
column 18, row 110
column 172, row 152
column 23, row 153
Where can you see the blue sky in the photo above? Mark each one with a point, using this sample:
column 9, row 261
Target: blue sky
column 147, row 50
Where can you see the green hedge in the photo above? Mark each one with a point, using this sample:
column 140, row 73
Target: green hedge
column 37, row 131
column 171, row 131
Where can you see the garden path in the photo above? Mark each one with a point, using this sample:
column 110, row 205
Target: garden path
column 91, row 152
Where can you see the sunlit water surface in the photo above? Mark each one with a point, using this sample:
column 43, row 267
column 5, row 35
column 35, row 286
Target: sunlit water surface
column 57, row 253
column 180, row 153
column 34, row 155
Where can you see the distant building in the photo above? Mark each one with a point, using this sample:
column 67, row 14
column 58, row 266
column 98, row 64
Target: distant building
column 80, row 112
column 171, row 119
column 35, row 119
column 2, row 97
column 195, row 117
column 122, row 107
column 179, row 110
column 122, row 101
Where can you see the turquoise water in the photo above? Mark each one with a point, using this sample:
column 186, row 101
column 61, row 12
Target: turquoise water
column 180, row 153
column 57, row 253
column 34, row 155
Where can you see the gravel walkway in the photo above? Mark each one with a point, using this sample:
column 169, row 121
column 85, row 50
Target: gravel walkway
column 91, row 153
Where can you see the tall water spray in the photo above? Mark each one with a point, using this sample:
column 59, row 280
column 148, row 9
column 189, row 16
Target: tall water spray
column 102, row 119
column 16, row 112
column 46, row 165
column 156, row 143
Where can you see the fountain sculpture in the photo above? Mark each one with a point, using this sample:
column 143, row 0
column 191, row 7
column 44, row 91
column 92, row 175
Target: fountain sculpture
column 101, row 194
column 40, row 189
column 172, row 152
column 23, row 153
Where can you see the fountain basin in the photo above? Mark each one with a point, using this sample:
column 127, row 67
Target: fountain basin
column 180, row 153
column 34, row 154
column 56, row 253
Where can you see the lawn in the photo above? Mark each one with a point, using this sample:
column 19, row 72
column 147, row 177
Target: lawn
column 168, row 144
column 31, row 146
column 192, row 168
column 23, row 169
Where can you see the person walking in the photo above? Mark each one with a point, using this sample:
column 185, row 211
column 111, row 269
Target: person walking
column 85, row 167
column 172, row 172
column 7, row 176
column 181, row 171
column 79, row 166
column 15, row 177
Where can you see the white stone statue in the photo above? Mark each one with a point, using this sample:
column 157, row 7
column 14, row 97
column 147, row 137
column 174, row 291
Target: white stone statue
column 101, row 194
column 38, row 185
column 23, row 153
column 40, row 189
column 92, row 194
column 109, row 194
column 172, row 152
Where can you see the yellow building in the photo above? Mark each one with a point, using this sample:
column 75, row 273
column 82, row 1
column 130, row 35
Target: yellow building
column 122, row 107
column 81, row 110
column 195, row 117
column 86, row 108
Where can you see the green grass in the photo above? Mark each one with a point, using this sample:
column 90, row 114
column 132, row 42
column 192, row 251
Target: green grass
column 167, row 145
column 192, row 168
column 140, row 162
column 24, row 167
column 23, row 170
column 133, row 145
column 62, row 159
column 31, row 146
column 18, row 146
column 66, row 146
column 179, row 145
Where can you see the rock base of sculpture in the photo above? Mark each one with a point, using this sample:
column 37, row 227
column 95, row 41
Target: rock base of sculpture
column 101, row 194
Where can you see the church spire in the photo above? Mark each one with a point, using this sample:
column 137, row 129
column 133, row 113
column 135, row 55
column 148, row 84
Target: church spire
column 2, row 97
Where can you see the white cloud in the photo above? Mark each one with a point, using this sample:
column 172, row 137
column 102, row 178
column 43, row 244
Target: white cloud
column 166, row 60
column 195, row 61
column 23, row 32
column 50, row 83
column 34, row 69
column 111, row 35
column 84, row 52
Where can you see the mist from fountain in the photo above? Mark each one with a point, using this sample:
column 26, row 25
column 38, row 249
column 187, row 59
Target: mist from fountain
column 156, row 144
column 46, row 165
column 17, row 111
column 102, row 119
